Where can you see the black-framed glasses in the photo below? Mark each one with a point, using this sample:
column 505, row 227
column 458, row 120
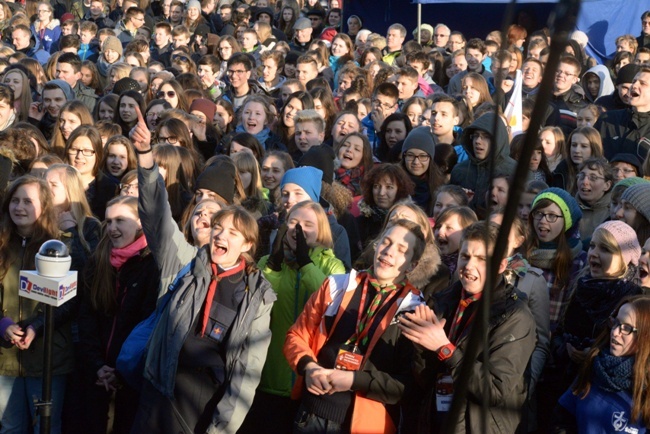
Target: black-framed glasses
column 383, row 105
column 625, row 329
column 127, row 187
column 172, row 140
column 170, row 94
column 238, row 72
column 422, row 158
column 551, row 218
column 84, row 152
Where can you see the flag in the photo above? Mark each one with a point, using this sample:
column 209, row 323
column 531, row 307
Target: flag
column 513, row 110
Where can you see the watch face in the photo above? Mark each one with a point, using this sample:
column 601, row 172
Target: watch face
column 445, row 351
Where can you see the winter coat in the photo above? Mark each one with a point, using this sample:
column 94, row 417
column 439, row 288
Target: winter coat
column 158, row 223
column 385, row 375
column 26, row 312
column 455, row 83
column 600, row 412
column 273, row 91
column 624, row 131
column 123, row 34
column 47, row 37
column 593, row 215
column 248, row 339
column 569, row 103
column 606, row 85
column 531, row 283
column 294, row 287
column 474, row 174
column 102, row 334
column 511, row 337
column 86, row 95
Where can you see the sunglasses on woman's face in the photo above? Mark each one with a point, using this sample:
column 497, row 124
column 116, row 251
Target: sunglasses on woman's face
column 170, row 94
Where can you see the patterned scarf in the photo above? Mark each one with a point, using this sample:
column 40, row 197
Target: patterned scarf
column 612, row 373
column 350, row 178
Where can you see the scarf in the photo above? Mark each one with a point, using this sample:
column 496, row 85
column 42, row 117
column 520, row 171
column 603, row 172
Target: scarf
column 261, row 137
column 372, row 212
column 216, row 277
column 518, row 265
column 350, row 178
column 599, row 297
column 121, row 255
column 612, row 373
column 451, row 261
column 544, row 256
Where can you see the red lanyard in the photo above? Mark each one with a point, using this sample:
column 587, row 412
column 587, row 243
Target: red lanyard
column 213, row 288
column 455, row 333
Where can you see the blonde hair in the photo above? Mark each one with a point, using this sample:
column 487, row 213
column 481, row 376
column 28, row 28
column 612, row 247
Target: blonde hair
column 247, row 163
column 76, row 195
column 611, row 245
column 324, row 237
column 310, row 116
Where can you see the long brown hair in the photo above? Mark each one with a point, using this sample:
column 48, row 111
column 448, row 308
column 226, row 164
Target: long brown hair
column 45, row 228
column 641, row 370
column 102, row 287
column 245, row 223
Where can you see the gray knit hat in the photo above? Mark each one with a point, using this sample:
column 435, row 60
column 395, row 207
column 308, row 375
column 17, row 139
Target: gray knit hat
column 422, row 139
column 639, row 197
column 112, row 43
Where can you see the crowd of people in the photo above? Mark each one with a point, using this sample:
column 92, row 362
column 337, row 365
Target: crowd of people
column 308, row 209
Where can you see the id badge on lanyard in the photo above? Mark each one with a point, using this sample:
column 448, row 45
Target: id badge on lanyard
column 349, row 358
column 444, row 392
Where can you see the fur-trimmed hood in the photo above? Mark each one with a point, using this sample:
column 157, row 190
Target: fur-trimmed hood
column 337, row 196
column 51, row 25
column 427, row 267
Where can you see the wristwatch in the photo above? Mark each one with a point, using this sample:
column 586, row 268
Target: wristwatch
column 446, row 351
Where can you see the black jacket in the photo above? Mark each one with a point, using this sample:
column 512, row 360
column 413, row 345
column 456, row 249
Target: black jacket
column 102, row 334
column 624, row 131
column 511, row 336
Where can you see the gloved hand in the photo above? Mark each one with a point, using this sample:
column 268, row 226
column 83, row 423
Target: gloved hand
column 277, row 251
column 302, row 249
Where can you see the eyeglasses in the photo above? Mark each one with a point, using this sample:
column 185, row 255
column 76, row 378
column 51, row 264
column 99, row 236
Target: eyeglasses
column 43, row 10
column 383, row 105
column 127, row 187
column 479, row 135
column 238, row 72
column 592, row 178
column 564, row 73
column 625, row 329
column 422, row 158
column 170, row 94
column 84, row 152
column 551, row 218
column 172, row 140
column 625, row 171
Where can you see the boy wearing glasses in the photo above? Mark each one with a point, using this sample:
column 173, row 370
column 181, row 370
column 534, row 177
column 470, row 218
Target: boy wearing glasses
column 568, row 96
column 479, row 142
column 443, row 334
column 384, row 104
column 240, row 85
column 128, row 27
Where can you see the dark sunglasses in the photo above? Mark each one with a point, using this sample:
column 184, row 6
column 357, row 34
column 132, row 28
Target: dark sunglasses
column 170, row 94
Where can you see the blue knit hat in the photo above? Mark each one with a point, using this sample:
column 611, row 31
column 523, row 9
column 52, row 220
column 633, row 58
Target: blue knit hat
column 568, row 205
column 308, row 178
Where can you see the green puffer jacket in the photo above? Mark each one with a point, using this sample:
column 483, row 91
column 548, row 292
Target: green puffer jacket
column 293, row 287
column 26, row 312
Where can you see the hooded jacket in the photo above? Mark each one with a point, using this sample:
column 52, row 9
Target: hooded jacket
column 511, row 340
column 606, row 85
column 249, row 338
column 593, row 215
column 272, row 91
column 48, row 36
column 474, row 174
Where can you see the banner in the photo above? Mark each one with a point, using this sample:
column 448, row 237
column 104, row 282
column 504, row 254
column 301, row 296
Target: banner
column 482, row 1
column 513, row 112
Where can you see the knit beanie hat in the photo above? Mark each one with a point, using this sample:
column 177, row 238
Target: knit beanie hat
column 625, row 238
column 629, row 182
column 307, row 178
column 422, row 139
column 629, row 159
column 194, row 4
column 124, row 84
column 220, row 178
column 626, row 74
column 571, row 212
column 112, row 43
column 204, row 106
column 321, row 157
column 65, row 87
column 639, row 197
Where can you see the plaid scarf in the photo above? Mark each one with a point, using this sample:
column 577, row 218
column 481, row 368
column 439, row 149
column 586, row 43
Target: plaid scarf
column 350, row 178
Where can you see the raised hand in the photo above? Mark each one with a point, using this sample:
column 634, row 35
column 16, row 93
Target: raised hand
column 140, row 134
